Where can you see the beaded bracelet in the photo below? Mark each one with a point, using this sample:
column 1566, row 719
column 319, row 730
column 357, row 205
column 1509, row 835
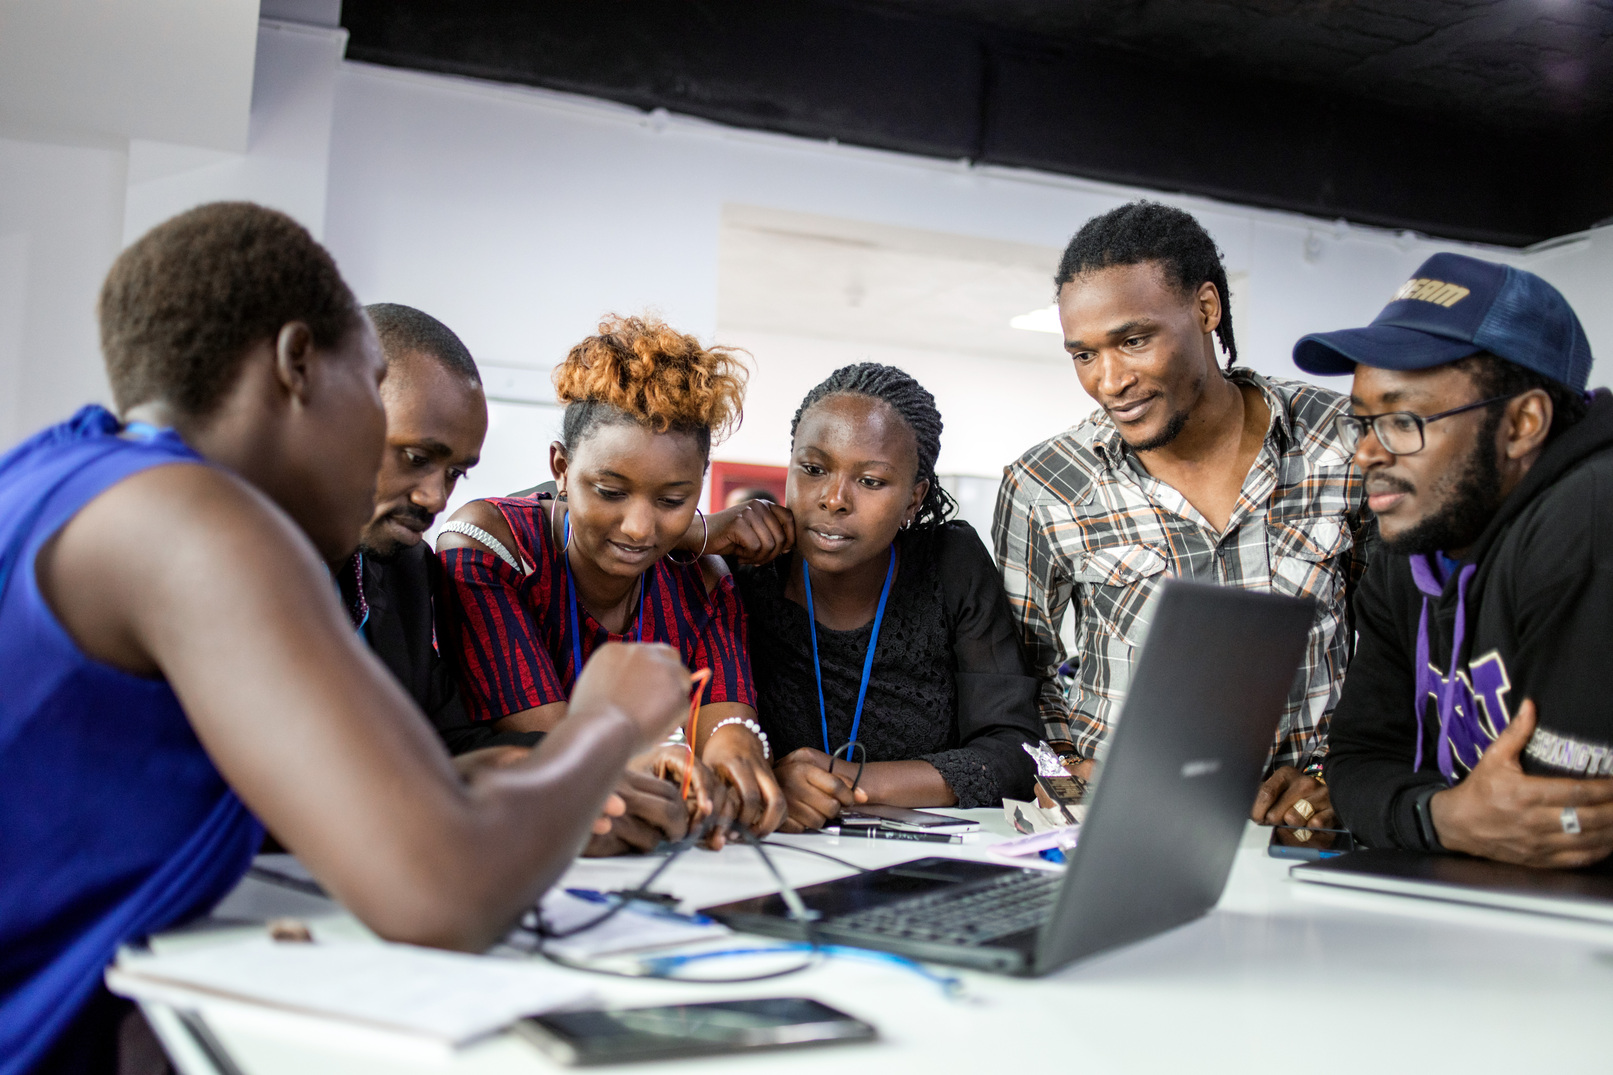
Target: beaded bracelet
column 754, row 728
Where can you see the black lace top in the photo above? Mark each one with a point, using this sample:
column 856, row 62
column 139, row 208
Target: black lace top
column 949, row 684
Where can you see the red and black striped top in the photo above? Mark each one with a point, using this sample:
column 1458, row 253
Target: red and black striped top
column 510, row 635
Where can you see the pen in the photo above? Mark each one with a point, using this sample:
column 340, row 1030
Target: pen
column 894, row 834
column 642, row 906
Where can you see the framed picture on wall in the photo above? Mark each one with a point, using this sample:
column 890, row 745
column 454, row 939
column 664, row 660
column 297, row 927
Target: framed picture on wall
column 743, row 481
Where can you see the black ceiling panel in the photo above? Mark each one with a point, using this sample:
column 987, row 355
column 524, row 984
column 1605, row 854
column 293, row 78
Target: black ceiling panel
column 1473, row 119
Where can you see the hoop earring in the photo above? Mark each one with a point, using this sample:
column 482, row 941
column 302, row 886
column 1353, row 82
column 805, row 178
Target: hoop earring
column 705, row 539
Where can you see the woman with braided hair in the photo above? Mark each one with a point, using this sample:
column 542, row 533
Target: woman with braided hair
column 887, row 666
column 536, row 583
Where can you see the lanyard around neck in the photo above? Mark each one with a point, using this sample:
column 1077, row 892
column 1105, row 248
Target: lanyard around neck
column 144, row 430
column 576, row 620
column 868, row 661
column 362, row 604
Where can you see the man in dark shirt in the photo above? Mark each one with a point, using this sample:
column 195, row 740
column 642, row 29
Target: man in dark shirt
column 436, row 420
column 1473, row 717
column 436, row 417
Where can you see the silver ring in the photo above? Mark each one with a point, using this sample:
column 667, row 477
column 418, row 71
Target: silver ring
column 1570, row 820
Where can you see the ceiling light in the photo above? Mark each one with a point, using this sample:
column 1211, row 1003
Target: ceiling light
column 1045, row 319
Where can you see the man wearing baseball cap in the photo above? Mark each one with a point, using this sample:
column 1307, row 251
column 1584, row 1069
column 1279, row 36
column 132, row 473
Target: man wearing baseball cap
column 1472, row 718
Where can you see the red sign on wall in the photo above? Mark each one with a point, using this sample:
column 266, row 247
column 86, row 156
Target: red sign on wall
column 728, row 479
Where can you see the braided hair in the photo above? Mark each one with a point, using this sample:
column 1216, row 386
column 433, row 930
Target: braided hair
column 913, row 404
column 1148, row 231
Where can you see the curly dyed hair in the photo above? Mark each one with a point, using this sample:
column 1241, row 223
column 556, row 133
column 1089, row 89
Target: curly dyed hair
column 1148, row 231
column 181, row 306
column 640, row 369
column 915, row 406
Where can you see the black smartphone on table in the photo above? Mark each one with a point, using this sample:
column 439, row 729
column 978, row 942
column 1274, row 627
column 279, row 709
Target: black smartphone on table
column 875, row 813
column 1309, row 844
column 683, row 1030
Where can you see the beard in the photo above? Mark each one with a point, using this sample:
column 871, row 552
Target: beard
column 1474, row 497
column 1173, row 429
column 382, row 549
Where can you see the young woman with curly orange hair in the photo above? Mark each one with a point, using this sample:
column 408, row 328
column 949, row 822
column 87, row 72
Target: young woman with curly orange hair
column 537, row 583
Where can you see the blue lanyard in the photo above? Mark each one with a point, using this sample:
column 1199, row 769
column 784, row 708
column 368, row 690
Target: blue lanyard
column 868, row 661
column 576, row 621
column 144, row 430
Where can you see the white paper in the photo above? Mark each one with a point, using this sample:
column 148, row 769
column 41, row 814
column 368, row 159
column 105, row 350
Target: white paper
column 447, row 995
column 633, row 929
column 1028, row 817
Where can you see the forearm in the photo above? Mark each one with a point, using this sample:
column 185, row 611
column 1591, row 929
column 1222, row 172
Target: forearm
column 1373, row 796
column 717, row 712
column 542, row 718
column 900, row 783
column 464, row 880
column 989, row 766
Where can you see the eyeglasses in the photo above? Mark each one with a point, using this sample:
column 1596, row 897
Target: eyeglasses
column 1400, row 432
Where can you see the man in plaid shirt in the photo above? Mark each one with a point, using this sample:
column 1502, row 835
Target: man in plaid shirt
column 1185, row 470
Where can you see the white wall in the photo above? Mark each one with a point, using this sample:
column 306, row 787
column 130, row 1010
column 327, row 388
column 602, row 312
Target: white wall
column 287, row 162
column 991, row 409
column 179, row 70
column 61, row 219
column 520, row 216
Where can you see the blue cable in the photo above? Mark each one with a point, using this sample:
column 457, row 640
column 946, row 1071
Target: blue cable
column 949, row 985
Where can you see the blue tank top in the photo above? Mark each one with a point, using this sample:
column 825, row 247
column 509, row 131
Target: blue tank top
column 113, row 821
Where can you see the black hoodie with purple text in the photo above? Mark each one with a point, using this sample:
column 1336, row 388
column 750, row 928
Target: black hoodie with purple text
column 1447, row 651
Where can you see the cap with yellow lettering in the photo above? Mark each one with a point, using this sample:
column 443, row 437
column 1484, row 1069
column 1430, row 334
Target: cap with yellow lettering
column 1456, row 306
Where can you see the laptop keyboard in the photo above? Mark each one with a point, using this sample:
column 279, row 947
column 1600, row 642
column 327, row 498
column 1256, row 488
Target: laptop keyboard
column 965, row 915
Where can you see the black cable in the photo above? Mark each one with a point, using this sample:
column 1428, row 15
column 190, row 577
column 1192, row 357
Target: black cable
column 672, row 851
column 786, row 891
column 861, row 760
column 797, row 911
column 296, row 884
column 836, row 859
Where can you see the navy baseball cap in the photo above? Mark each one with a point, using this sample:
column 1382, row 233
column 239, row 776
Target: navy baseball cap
column 1456, row 306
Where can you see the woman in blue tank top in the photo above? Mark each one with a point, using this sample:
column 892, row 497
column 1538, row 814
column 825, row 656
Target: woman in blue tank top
column 176, row 664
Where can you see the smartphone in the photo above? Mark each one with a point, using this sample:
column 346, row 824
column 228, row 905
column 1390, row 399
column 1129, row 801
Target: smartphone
column 1292, row 842
column 872, row 813
column 684, row 1030
column 1064, row 792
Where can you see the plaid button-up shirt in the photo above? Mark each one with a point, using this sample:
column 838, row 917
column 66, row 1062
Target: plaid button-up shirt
column 1080, row 520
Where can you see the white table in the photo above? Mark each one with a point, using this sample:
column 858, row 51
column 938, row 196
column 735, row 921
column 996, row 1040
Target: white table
column 1280, row 977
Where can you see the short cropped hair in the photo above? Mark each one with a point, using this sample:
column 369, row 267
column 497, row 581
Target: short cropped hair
column 404, row 329
column 1143, row 231
column 1496, row 378
column 182, row 305
column 642, row 370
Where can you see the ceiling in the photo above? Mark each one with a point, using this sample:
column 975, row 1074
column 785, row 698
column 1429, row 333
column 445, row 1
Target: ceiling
column 1522, row 63
column 1489, row 120
column 829, row 278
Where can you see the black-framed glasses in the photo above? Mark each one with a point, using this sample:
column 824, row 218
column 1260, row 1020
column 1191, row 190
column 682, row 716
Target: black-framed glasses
column 1400, row 432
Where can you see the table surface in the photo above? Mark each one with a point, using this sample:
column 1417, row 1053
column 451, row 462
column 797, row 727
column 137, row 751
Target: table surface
column 1280, row 974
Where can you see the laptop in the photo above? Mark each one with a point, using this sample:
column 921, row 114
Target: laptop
column 1584, row 894
column 1160, row 834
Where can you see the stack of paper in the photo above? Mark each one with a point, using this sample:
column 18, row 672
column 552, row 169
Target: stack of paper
column 445, row 995
column 634, row 928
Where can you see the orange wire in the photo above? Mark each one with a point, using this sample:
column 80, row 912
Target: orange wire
column 699, row 679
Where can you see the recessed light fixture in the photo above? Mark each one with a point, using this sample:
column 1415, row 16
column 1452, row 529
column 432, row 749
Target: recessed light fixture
column 1045, row 319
